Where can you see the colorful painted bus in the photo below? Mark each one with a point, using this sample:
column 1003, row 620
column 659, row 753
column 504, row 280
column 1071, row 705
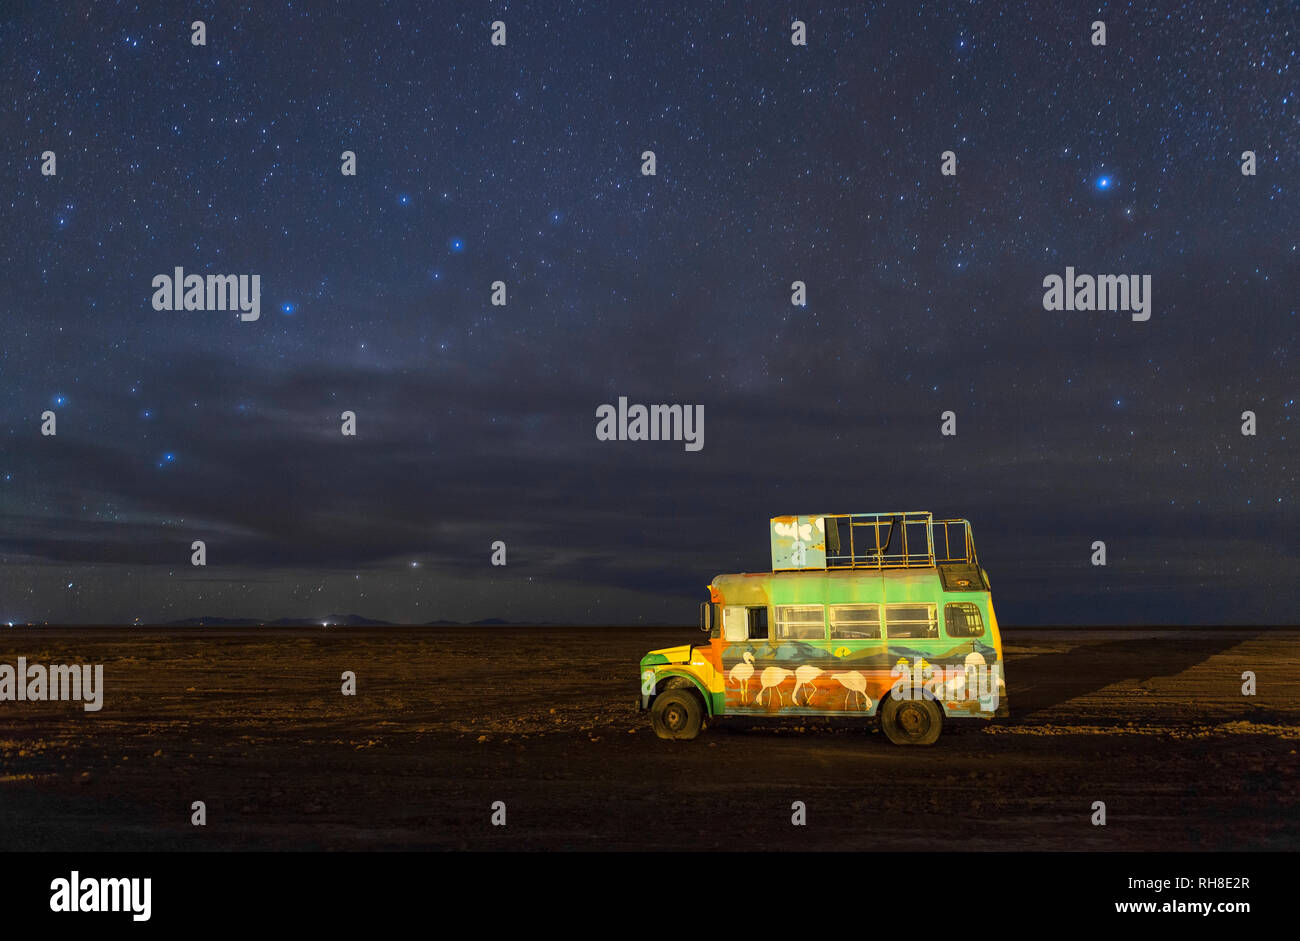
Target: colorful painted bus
column 884, row 616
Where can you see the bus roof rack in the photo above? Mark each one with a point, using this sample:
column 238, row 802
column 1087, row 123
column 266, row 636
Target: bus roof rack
column 901, row 540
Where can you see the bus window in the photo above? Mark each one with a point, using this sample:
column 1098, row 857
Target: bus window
column 910, row 620
column 800, row 622
column 855, row 621
column 735, row 623
column 742, row 623
column 962, row 619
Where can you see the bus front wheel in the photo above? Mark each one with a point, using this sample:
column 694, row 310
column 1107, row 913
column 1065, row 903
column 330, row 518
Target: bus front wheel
column 911, row 721
column 677, row 713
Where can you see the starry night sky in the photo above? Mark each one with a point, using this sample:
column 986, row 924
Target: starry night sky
column 523, row 164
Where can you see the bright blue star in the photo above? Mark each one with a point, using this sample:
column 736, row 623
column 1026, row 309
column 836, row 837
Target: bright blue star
column 288, row 307
column 457, row 244
column 60, row 399
column 1103, row 183
column 404, row 199
column 168, row 458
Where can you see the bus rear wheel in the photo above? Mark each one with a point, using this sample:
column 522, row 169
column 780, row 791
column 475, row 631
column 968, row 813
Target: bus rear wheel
column 911, row 721
column 677, row 714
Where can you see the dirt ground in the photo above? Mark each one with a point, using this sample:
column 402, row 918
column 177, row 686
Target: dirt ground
column 449, row 720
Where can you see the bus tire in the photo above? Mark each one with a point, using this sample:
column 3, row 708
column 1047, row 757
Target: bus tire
column 911, row 721
column 677, row 714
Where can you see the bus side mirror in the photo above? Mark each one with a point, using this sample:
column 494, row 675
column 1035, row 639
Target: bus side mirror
column 706, row 617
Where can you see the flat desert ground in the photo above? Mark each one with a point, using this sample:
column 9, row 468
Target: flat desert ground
column 447, row 721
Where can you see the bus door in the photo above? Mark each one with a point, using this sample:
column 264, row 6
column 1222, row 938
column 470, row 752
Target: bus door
column 745, row 639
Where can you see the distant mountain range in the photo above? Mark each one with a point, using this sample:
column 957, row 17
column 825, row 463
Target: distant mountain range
column 342, row 620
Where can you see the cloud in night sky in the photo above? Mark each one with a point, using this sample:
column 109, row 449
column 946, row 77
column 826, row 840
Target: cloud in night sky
column 522, row 164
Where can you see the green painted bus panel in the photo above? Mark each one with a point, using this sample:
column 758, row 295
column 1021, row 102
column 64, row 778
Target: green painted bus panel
column 836, row 587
